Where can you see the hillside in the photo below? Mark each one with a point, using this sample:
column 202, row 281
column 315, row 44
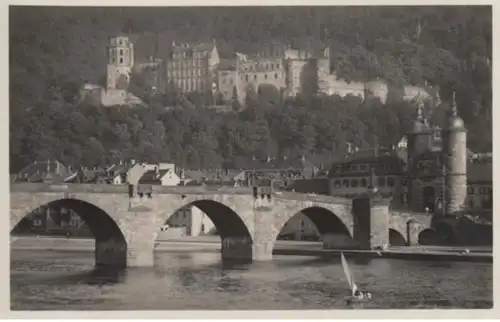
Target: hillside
column 53, row 50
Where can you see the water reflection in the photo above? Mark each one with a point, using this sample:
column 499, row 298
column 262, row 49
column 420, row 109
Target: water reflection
column 48, row 280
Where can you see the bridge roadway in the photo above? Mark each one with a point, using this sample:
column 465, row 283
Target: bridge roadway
column 124, row 227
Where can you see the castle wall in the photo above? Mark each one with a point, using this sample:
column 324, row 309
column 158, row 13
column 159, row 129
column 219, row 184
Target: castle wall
column 331, row 85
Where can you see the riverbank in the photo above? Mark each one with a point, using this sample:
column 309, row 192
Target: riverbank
column 298, row 248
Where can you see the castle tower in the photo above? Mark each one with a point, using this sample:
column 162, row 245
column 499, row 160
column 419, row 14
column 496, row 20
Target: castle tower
column 120, row 62
column 419, row 141
column 454, row 156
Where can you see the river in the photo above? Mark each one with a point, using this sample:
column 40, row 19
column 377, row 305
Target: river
column 51, row 280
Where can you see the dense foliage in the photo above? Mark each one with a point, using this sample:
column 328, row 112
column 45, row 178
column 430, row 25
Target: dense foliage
column 54, row 50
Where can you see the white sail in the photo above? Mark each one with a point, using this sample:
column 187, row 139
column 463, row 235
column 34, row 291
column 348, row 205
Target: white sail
column 348, row 274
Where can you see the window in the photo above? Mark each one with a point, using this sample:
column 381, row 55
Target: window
column 121, row 52
column 254, row 77
column 362, row 167
column 390, row 182
column 363, row 182
column 381, row 181
column 223, row 81
column 337, row 184
column 354, row 183
column 246, row 77
column 345, row 183
column 470, row 190
column 354, row 167
column 121, row 60
column 265, row 76
column 276, row 75
column 277, row 66
column 471, row 203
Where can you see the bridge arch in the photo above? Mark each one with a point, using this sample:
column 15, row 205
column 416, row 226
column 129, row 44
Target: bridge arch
column 110, row 242
column 235, row 231
column 428, row 236
column 396, row 238
column 225, row 219
column 332, row 225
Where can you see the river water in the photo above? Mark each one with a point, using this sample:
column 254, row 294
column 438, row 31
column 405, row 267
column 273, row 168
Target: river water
column 49, row 280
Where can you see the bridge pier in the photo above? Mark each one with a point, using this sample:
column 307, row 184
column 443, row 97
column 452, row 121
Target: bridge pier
column 263, row 251
column 412, row 230
column 110, row 253
column 236, row 248
column 140, row 253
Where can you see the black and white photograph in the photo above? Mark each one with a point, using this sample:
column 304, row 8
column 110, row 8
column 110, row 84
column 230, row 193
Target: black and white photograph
column 250, row 158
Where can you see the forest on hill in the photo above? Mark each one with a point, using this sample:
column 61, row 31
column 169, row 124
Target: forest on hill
column 54, row 50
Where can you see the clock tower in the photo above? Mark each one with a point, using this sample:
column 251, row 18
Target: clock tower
column 454, row 157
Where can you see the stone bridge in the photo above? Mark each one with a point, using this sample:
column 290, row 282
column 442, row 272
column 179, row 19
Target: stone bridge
column 125, row 227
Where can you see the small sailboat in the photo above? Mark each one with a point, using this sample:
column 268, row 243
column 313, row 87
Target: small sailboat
column 356, row 294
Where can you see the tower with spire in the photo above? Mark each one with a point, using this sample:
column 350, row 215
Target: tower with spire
column 454, row 158
column 419, row 141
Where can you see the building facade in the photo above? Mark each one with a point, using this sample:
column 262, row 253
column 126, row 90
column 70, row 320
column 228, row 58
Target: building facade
column 191, row 68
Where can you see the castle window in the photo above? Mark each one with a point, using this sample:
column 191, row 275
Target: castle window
column 354, row 183
column 113, row 60
column 246, row 77
column 345, row 183
column 121, row 52
column 276, row 75
column 277, row 66
column 363, row 182
column 265, row 76
column 381, row 181
column 390, row 182
column 337, row 184
column 254, row 77
column 121, row 60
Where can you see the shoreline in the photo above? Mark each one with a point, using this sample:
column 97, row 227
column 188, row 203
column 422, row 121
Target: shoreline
column 212, row 245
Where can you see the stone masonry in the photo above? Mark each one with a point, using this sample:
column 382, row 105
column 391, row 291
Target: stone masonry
column 125, row 227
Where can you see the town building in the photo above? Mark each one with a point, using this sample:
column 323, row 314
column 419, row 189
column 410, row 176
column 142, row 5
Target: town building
column 430, row 169
column 192, row 221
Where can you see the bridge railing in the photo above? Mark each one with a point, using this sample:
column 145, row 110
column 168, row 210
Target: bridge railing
column 110, row 188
